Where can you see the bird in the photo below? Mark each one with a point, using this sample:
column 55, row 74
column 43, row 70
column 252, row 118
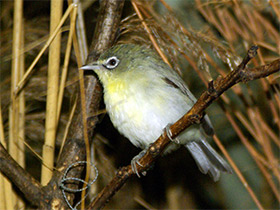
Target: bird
column 144, row 96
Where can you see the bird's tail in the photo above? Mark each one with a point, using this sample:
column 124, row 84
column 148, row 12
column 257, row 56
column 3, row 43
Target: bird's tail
column 207, row 159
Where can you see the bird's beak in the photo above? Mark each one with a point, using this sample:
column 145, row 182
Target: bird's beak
column 93, row 66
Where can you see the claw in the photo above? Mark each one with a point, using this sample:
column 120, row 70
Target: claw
column 135, row 161
column 169, row 134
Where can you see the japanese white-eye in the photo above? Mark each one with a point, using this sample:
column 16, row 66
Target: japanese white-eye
column 143, row 95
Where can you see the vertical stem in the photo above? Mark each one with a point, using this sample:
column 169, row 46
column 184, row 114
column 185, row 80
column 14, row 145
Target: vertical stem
column 14, row 140
column 6, row 201
column 21, row 112
column 52, row 94
column 50, row 40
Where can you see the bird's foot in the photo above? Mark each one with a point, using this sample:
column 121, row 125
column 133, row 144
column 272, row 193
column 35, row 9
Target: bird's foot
column 169, row 134
column 135, row 161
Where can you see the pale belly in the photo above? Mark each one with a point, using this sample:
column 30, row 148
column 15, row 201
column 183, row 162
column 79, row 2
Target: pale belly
column 142, row 119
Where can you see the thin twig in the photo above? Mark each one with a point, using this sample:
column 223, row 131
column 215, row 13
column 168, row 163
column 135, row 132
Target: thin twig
column 153, row 40
column 66, row 62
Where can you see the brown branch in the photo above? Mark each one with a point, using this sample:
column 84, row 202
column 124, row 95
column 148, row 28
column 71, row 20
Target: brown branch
column 105, row 34
column 24, row 181
column 215, row 89
column 261, row 71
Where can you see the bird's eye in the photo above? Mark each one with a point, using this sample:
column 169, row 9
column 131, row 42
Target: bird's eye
column 112, row 62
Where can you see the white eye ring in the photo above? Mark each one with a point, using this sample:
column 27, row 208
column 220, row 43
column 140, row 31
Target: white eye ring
column 112, row 62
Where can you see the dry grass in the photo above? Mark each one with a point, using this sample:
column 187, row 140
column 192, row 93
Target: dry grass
column 202, row 40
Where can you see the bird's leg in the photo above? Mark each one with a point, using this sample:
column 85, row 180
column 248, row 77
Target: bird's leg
column 169, row 134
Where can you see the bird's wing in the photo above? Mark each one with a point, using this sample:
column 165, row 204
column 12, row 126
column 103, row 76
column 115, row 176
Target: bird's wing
column 173, row 79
